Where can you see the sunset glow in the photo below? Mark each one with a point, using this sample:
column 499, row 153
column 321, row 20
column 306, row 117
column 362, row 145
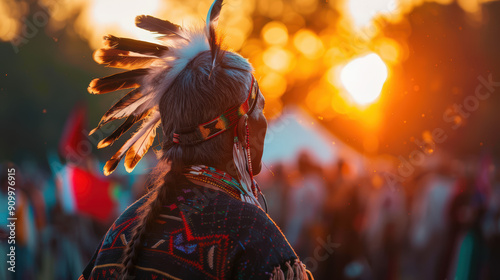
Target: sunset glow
column 364, row 78
column 299, row 41
column 362, row 12
column 121, row 20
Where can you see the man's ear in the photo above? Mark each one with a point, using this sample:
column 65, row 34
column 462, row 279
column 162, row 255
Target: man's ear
column 241, row 128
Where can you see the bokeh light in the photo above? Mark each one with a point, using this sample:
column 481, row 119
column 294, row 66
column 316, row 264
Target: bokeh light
column 364, row 78
column 275, row 33
column 278, row 59
column 308, row 43
column 11, row 13
column 273, row 85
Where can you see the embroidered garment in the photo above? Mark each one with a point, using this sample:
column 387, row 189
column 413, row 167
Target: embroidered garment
column 224, row 182
column 200, row 234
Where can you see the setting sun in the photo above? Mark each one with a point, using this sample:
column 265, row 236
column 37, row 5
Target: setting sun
column 364, row 78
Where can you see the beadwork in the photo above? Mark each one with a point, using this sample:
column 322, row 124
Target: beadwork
column 222, row 180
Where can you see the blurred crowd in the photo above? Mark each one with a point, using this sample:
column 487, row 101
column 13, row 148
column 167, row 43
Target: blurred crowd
column 443, row 222
column 58, row 227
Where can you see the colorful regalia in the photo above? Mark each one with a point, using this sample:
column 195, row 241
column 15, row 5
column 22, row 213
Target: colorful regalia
column 201, row 233
column 196, row 222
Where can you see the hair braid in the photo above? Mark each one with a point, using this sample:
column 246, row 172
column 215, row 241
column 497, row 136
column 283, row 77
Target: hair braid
column 192, row 90
column 147, row 214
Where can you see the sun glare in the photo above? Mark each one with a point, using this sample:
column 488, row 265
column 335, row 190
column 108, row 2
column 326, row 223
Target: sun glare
column 364, row 78
column 362, row 12
column 119, row 18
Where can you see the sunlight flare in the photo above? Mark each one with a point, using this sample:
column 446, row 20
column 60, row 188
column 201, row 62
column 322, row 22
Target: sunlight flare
column 364, row 78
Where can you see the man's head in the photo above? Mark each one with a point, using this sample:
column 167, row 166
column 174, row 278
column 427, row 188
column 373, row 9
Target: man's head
column 200, row 94
column 190, row 86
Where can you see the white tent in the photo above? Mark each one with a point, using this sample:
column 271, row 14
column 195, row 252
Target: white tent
column 295, row 131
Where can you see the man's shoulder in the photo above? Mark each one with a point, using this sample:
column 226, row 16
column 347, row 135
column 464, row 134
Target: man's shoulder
column 132, row 210
column 242, row 222
column 228, row 212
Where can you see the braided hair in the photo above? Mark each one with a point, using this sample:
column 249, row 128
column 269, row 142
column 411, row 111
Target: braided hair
column 199, row 93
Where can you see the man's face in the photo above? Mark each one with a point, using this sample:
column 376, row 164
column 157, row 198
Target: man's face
column 257, row 124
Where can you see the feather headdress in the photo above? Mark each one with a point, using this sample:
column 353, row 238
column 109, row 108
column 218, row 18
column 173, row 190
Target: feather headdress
column 151, row 69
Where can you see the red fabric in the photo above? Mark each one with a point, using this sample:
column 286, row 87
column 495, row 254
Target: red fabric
column 73, row 134
column 92, row 194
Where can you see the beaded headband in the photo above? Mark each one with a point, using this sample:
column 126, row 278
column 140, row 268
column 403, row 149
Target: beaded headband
column 227, row 120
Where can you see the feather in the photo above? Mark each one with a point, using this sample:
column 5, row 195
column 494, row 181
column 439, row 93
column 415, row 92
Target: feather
column 123, row 108
column 126, row 44
column 139, row 145
column 128, row 79
column 122, row 59
column 111, row 165
column 126, row 125
column 214, row 13
column 212, row 21
column 160, row 26
column 241, row 163
column 164, row 63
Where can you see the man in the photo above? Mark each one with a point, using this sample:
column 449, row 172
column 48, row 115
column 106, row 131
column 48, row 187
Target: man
column 202, row 218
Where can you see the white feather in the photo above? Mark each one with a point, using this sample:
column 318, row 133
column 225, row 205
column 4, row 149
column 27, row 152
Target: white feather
column 180, row 53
